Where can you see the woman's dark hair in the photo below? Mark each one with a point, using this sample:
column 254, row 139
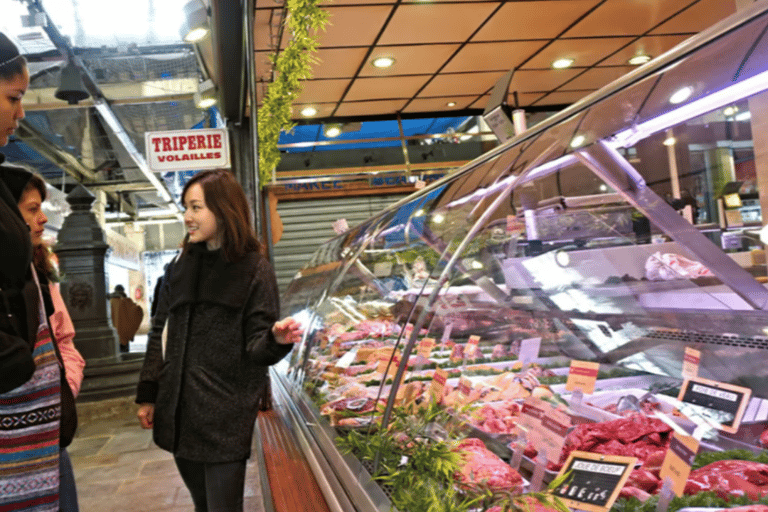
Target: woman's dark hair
column 13, row 68
column 42, row 256
column 225, row 198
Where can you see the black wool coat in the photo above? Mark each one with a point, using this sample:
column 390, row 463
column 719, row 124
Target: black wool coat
column 219, row 344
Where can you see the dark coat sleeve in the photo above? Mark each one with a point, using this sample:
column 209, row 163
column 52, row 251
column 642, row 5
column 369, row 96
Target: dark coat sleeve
column 16, row 363
column 146, row 391
column 261, row 312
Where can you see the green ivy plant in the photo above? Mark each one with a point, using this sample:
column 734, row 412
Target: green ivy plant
column 293, row 65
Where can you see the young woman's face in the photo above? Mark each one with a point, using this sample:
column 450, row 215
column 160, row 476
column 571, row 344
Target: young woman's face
column 200, row 221
column 30, row 205
column 11, row 111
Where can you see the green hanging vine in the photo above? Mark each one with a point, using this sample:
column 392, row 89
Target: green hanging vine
column 292, row 65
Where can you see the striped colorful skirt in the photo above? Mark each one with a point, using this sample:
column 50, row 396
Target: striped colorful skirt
column 29, row 436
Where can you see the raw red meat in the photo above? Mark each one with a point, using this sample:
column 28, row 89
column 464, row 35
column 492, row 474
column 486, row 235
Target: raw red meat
column 730, row 478
column 764, row 439
column 480, row 465
column 633, row 492
column 644, row 479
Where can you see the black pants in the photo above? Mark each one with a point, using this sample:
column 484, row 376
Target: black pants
column 215, row 487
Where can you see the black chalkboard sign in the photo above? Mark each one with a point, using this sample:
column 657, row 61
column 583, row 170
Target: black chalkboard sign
column 594, row 480
column 725, row 403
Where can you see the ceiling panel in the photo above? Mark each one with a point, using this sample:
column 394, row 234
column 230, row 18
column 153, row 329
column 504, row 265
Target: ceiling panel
column 698, row 17
column 525, row 98
column 562, row 98
column 410, row 60
column 626, row 17
column 649, row 45
column 540, row 80
column 489, row 56
column 353, row 26
column 595, row 78
column 380, row 88
column 323, row 109
column 435, row 23
column 460, row 84
column 364, row 108
column 533, row 20
column 338, row 62
column 438, row 104
column 322, row 91
column 585, row 52
column 264, row 34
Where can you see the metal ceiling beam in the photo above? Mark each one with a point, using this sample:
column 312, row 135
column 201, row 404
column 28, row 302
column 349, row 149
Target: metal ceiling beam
column 102, row 106
column 229, row 73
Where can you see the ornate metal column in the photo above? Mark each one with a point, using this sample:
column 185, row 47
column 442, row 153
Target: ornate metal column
column 81, row 249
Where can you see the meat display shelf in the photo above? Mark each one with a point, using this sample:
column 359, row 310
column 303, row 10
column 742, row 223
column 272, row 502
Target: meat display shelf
column 466, row 257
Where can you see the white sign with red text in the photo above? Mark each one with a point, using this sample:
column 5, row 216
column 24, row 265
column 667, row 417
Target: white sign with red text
column 187, row 150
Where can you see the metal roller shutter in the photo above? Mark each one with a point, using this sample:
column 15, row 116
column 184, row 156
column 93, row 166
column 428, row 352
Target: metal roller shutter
column 307, row 224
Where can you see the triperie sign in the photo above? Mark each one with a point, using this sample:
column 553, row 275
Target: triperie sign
column 185, row 150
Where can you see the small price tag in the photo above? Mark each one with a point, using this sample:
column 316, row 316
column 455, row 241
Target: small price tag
column 347, row 359
column 595, row 480
column 420, row 184
column 514, row 225
column 336, row 348
column 472, row 346
column 723, row 403
column 554, row 427
column 340, row 226
column 529, row 350
column 678, row 461
column 446, row 334
column 529, row 421
column 582, row 376
column 425, row 347
column 465, row 386
column 691, row 360
column 457, row 353
column 439, row 380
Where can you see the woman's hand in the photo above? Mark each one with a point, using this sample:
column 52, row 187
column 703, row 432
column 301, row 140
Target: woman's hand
column 146, row 415
column 287, row 331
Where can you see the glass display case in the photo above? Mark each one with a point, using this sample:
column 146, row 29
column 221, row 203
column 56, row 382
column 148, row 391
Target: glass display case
column 478, row 291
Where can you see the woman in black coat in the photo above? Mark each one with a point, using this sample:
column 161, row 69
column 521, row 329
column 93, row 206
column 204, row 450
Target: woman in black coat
column 199, row 389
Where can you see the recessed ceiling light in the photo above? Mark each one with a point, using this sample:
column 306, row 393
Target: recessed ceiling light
column 383, row 62
column 730, row 111
column 577, row 141
column 563, row 63
column 206, row 103
column 332, row 131
column 308, row 111
column 438, row 218
column 681, row 95
column 450, row 104
column 743, row 116
column 196, row 34
column 670, row 141
column 639, row 59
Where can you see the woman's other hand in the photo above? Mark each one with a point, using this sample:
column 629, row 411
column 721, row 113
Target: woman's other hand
column 287, row 331
column 146, row 415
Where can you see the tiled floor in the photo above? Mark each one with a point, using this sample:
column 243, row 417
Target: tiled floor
column 118, row 467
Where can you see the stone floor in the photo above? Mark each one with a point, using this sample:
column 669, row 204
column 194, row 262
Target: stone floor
column 118, row 467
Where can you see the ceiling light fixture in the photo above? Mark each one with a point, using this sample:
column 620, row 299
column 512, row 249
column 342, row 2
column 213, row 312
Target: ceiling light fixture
column 383, row 62
column 195, row 27
column 205, row 97
column 577, row 141
column 743, row 116
column 332, row 130
column 308, row 111
column 638, row 60
column 730, row 111
column 451, row 104
column 681, row 95
column 670, row 141
column 563, row 63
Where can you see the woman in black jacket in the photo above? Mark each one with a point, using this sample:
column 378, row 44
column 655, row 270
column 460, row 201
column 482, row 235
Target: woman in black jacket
column 199, row 391
column 29, row 371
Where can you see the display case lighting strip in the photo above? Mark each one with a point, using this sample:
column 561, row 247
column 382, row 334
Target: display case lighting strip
column 714, row 101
